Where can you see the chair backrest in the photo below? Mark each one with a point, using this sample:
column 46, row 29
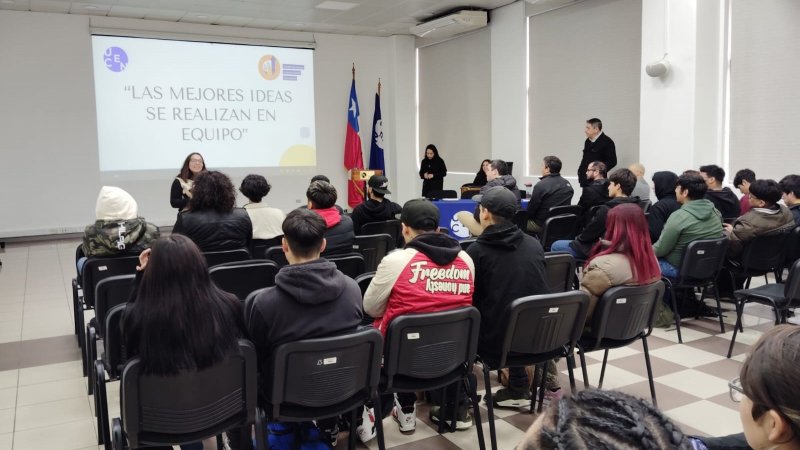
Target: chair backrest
column 703, row 260
column 323, row 377
column 78, row 255
column 427, row 347
column 258, row 247
column 645, row 204
column 792, row 247
column 626, row 313
column 113, row 343
column 468, row 191
column 543, row 325
column 373, row 247
column 466, row 243
column 109, row 293
column 791, row 290
column 225, row 256
column 444, row 193
column 192, row 405
column 240, row 278
column 763, row 254
column 521, row 220
column 564, row 226
column 100, row 268
column 276, row 255
column 565, row 209
column 390, row 227
column 364, row 280
column 560, row 271
column 352, row 264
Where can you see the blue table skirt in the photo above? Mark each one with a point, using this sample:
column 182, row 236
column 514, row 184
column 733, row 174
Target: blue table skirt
column 448, row 210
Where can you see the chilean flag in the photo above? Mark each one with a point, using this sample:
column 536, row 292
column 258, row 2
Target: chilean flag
column 352, row 150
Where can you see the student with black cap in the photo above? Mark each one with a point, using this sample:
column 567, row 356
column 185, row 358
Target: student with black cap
column 376, row 208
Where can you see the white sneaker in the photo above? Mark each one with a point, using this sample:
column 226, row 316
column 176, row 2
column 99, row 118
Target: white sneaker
column 366, row 431
column 406, row 419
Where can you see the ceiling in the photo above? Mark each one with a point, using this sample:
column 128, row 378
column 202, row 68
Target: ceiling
column 361, row 17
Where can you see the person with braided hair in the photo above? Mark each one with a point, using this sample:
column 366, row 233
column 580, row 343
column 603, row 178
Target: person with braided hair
column 597, row 419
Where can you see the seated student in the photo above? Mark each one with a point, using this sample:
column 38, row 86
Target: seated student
column 551, row 190
column 596, row 190
column 765, row 216
column 402, row 284
column 339, row 234
column 696, row 219
column 178, row 319
column 480, row 177
column 664, row 185
column 598, row 419
column 376, row 208
column 117, row 229
column 623, row 257
column 726, row 202
column 768, row 393
column 742, row 182
column 210, row 219
column 790, row 187
column 620, row 185
column 266, row 220
column 324, row 178
column 310, row 299
column 642, row 189
column 509, row 264
column 498, row 175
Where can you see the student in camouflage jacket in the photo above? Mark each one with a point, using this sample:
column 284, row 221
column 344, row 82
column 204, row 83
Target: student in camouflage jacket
column 118, row 229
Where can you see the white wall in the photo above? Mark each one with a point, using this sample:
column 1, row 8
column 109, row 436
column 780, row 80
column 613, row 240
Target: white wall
column 49, row 178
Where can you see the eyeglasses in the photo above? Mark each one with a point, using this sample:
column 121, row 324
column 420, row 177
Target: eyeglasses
column 737, row 393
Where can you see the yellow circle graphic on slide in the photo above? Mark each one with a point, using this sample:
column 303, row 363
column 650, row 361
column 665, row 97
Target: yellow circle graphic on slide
column 299, row 155
column 269, row 67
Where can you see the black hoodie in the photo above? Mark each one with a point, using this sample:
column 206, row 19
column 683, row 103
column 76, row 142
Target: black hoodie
column 373, row 211
column 664, row 185
column 726, row 202
column 509, row 264
column 308, row 300
column 596, row 228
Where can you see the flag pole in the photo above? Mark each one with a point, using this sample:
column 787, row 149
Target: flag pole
column 379, row 86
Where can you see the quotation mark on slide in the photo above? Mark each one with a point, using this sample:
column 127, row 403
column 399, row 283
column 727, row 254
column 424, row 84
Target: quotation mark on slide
column 115, row 59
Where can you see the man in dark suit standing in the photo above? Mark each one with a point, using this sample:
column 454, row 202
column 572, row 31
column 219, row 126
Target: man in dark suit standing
column 598, row 147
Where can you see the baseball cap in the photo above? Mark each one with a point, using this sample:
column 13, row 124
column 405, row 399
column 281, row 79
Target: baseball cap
column 420, row 214
column 379, row 184
column 500, row 202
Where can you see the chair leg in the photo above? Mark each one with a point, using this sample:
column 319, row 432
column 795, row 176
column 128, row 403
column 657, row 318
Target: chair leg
column 738, row 326
column 487, row 385
column 603, row 370
column 541, row 388
column 719, row 308
column 443, row 401
column 472, row 389
column 675, row 313
column 261, row 443
column 351, row 438
column 118, row 435
column 90, row 345
column 571, row 371
column 649, row 371
column 101, row 404
column 379, row 421
column 583, row 368
column 82, row 340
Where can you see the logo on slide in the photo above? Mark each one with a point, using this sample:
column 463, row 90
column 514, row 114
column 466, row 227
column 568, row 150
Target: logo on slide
column 269, row 67
column 115, row 59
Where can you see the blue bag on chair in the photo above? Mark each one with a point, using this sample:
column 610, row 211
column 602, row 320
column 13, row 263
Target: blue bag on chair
column 281, row 436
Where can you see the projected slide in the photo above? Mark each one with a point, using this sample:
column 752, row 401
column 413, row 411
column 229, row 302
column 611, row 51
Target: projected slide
column 238, row 105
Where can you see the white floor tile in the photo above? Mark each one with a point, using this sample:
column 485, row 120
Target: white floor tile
column 508, row 436
column 6, row 420
column 8, row 378
column 67, row 436
column 6, row 441
column 614, row 377
column 708, row 417
column 695, row 382
column 687, row 334
column 8, row 398
column 50, row 391
column 50, row 372
column 749, row 336
column 52, row 413
column 686, row 355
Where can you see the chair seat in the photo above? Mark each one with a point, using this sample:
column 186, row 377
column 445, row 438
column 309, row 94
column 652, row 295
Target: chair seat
column 772, row 292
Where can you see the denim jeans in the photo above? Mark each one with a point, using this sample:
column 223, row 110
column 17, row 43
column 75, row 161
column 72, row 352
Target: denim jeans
column 563, row 246
column 667, row 269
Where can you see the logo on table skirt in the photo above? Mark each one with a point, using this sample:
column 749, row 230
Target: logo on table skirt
column 458, row 228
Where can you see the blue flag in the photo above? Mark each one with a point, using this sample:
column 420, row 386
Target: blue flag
column 376, row 148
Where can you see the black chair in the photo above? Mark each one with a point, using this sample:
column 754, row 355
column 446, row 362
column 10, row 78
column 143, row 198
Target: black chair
column 565, row 209
column 351, row 264
column 373, row 247
column 110, row 364
column 191, row 406
column 700, row 266
column 325, row 377
column 390, row 227
column 276, row 255
column 645, row 204
column 94, row 270
column 430, row 351
column 560, row 271
column 363, row 281
column 258, row 247
column 444, row 193
column 760, row 256
column 792, row 253
column 226, row 256
column 240, row 278
column 466, row 243
column 564, row 226
column 538, row 328
column 109, row 293
column 624, row 314
column 521, row 220
column 781, row 297
column 469, row 190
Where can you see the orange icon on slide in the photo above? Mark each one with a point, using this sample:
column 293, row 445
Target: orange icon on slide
column 269, row 67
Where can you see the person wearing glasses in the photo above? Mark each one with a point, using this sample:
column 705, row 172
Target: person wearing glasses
column 768, row 393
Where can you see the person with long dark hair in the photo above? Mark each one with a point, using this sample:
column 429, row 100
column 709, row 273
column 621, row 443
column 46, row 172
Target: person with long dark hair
column 178, row 319
column 432, row 170
column 210, row 219
column 623, row 257
column 181, row 190
column 480, row 177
